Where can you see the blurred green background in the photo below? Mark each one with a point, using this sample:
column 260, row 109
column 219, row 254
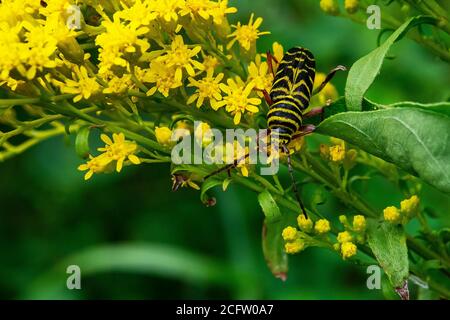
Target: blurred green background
column 139, row 240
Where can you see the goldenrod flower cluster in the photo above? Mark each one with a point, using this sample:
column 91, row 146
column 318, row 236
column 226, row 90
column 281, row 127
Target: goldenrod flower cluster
column 408, row 210
column 297, row 240
column 354, row 233
column 338, row 153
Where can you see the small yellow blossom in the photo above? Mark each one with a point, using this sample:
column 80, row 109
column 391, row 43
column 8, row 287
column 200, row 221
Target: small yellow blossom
column 163, row 136
column 180, row 57
column 278, row 51
column 330, row 6
column 348, row 250
column 322, row 226
column 337, row 153
column 391, row 214
column 118, row 84
column 197, row 8
column 82, row 85
column 237, row 99
column 258, row 73
column 344, row 237
column 246, row 34
column 119, row 150
column 305, row 224
column 94, row 165
column 409, row 206
column 295, row 246
column 351, row 6
column 203, row 133
column 289, row 234
column 210, row 62
column 167, row 10
column 163, row 77
column 220, row 10
column 359, row 223
column 207, row 88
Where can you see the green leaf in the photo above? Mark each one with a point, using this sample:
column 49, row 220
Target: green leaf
column 82, row 142
column 414, row 139
column 207, row 185
column 273, row 248
column 269, row 206
column 441, row 107
column 272, row 241
column 365, row 70
column 388, row 244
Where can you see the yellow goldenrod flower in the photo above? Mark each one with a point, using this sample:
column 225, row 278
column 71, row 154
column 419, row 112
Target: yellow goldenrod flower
column 258, row 73
column 203, row 134
column 210, row 62
column 246, row 34
column 119, row 43
column 322, row 226
column 197, row 8
column 278, row 51
column 391, row 214
column 163, row 136
column 119, row 84
column 167, row 9
column 409, row 206
column 359, row 223
column 305, row 224
column 82, row 85
column 220, row 10
column 140, row 13
column 296, row 145
column 180, row 57
column 344, row 237
column 207, row 88
column 329, row 92
column 348, row 249
column 295, row 246
column 289, row 234
column 238, row 154
column 351, row 6
column 236, row 100
column 330, row 6
column 337, row 153
column 94, row 165
column 163, row 77
column 119, row 150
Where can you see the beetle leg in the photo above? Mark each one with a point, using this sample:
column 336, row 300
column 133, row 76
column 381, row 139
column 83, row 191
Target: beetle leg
column 328, row 78
column 271, row 58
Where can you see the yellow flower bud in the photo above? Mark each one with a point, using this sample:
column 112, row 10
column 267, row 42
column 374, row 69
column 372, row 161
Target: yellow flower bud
column 289, row 234
column 337, row 153
column 203, row 133
column 344, row 237
column 359, row 223
column 409, row 206
column 295, row 246
column 351, row 6
column 163, row 135
column 322, row 226
column 391, row 214
column 330, row 7
column 348, row 249
column 304, row 223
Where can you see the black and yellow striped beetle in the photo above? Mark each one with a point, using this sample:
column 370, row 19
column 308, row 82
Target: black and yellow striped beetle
column 289, row 97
